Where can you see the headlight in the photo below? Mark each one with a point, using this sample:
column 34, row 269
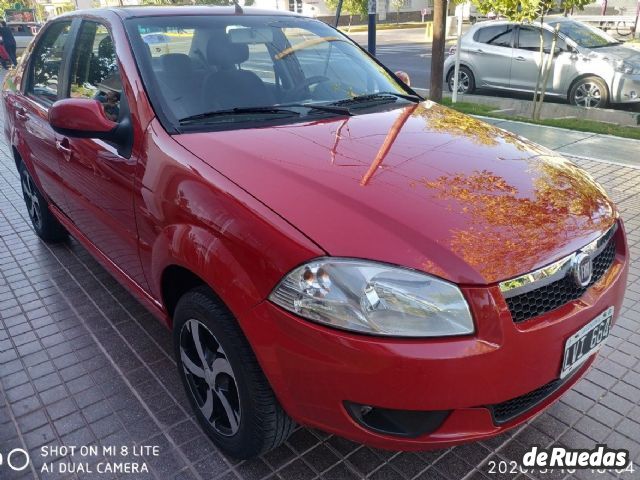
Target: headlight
column 374, row 298
column 624, row 67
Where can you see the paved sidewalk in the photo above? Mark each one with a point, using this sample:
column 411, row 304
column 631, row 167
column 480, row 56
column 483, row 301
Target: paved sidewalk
column 570, row 142
column 82, row 363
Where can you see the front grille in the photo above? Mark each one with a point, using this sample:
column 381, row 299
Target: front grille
column 549, row 297
column 505, row 411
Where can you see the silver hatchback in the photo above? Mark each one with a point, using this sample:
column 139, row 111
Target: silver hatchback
column 589, row 68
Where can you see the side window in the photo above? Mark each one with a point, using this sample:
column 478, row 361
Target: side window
column 94, row 68
column 529, row 39
column 46, row 61
column 497, row 35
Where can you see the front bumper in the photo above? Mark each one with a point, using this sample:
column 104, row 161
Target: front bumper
column 625, row 88
column 314, row 370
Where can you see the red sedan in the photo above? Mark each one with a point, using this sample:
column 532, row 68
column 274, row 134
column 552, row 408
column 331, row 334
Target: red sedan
column 327, row 247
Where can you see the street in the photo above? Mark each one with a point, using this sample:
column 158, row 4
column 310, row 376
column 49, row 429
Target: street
column 403, row 49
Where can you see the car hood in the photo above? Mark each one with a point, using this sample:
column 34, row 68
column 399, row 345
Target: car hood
column 618, row 52
column 421, row 186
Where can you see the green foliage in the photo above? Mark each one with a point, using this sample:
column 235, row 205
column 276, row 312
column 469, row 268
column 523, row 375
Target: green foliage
column 352, row 7
column 11, row 5
column 528, row 10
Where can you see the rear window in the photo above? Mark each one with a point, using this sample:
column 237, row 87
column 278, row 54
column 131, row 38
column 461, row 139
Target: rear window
column 498, row 35
column 22, row 30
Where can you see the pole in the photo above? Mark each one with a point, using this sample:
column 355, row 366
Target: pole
column 456, row 70
column 338, row 11
column 371, row 39
column 635, row 30
column 437, row 49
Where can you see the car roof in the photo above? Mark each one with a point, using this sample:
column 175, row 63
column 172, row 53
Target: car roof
column 156, row 11
column 548, row 21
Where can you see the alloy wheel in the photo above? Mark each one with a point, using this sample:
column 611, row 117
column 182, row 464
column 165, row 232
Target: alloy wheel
column 588, row 95
column 29, row 190
column 210, row 377
column 463, row 82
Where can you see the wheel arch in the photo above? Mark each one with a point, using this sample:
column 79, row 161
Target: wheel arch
column 462, row 64
column 186, row 256
column 175, row 281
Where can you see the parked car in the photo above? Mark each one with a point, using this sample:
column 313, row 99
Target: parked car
column 326, row 247
column 24, row 33
column 589, row 68
column 158, row 43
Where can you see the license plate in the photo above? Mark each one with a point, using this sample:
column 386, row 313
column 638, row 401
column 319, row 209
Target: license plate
column 586, row 341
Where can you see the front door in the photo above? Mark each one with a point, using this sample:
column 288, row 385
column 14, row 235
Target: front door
column 526, row 58
column 31, row 110
column 98, row 180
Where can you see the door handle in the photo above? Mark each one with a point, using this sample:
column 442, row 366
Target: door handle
column 479, row 50
column 64, row 147
column 21, row 114
column 520, row 59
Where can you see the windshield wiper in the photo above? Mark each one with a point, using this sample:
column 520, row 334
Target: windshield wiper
column 379, row 96
column 237, row 111
column 322, row 108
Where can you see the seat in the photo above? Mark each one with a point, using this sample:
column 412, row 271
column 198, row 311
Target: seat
column 230, row 86
column 180, row 85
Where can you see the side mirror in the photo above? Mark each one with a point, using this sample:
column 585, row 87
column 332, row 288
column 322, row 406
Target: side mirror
column 83, row 118
column 404, row 76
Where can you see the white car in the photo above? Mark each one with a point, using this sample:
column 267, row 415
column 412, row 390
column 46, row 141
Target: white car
column 589, row 68
column 24, row 33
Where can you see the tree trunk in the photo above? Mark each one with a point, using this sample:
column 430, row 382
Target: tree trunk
column 437, row 49
column 547, row 71
column 539, row 78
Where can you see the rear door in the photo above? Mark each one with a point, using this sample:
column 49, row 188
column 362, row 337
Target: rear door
column 37, row 144
column 491, row 53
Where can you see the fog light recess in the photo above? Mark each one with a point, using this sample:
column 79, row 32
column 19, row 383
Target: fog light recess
column 400, row 423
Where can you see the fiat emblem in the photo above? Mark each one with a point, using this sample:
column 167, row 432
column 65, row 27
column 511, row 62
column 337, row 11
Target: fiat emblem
column 582, row 269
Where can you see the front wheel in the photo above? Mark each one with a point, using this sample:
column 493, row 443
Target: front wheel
column 589, row 92
column 226, row 387
column 466, row 80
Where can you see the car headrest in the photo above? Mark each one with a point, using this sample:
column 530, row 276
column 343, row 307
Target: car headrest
column 178, row 63
column 224, row 54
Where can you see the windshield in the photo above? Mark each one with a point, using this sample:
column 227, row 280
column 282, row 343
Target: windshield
column 222, row 69
column 585, row 35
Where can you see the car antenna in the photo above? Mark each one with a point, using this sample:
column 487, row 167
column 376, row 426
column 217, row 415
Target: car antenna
column 239, row 10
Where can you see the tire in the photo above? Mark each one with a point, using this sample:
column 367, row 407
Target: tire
column 232, row 400
column 589, row 92
column 466, row 80
column 44, row 223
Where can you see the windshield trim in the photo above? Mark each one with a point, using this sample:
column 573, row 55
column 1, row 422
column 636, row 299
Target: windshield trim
column 171, row 123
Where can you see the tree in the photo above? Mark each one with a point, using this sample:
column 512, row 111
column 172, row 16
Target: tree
column 397, row 4
column 352, row 7
column 529, row 11
column 437, row 49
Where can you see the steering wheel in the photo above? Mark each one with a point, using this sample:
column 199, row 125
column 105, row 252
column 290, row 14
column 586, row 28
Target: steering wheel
column 308, row 82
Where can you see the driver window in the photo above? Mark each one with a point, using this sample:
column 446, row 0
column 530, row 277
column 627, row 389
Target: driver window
column 94, row 69
column 46, row 62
